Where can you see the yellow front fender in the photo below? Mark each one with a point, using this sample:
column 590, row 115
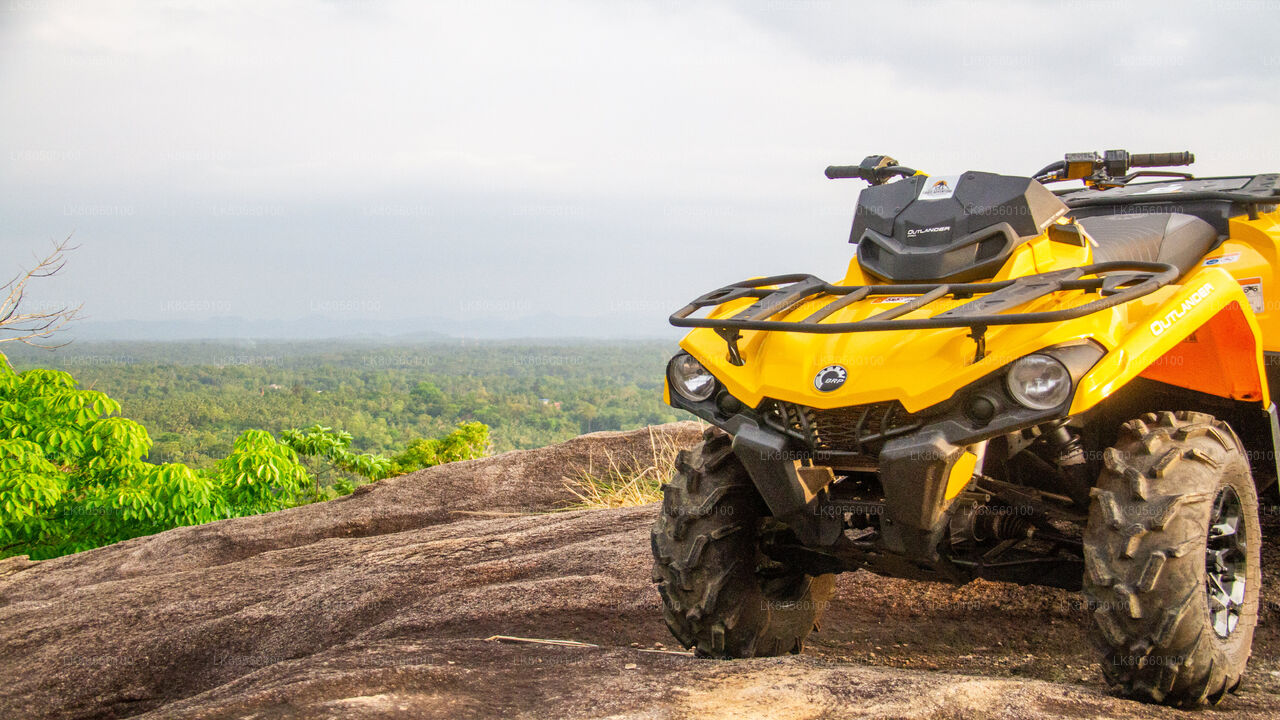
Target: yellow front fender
column 1203, row 337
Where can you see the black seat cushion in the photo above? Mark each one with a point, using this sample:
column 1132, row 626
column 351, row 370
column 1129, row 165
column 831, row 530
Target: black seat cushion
column 1174, row 238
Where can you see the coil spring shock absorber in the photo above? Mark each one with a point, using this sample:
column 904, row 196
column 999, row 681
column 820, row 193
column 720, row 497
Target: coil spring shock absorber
column 1001, row 523
column 1067, row 453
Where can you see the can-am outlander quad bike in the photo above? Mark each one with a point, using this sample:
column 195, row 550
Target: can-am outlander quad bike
column 1057, row 388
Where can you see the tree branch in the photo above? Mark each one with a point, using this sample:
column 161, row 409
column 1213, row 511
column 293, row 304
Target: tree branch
column 32, row 328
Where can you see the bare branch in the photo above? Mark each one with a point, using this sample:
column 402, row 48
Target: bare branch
column 33, row 328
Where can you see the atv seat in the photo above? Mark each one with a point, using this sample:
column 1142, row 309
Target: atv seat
column 1174, row 238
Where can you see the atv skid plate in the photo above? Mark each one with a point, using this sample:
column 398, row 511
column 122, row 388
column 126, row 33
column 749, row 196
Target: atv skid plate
column 1116, row 283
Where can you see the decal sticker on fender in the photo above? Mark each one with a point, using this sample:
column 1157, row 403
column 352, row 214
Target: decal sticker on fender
column 1159, row 325
column 1222, row 259
column 1253, row 290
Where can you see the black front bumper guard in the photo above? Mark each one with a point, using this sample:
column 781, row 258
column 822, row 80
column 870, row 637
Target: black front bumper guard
column 1115, row 282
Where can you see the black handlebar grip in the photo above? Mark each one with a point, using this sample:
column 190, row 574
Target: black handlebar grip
column 843, row 172
column 1161, row 159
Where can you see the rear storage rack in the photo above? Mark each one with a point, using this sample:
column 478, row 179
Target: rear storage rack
column 1115, row 282
column 1260, row 193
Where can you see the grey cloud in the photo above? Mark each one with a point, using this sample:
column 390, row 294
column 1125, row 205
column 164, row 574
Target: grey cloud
column 567, row 158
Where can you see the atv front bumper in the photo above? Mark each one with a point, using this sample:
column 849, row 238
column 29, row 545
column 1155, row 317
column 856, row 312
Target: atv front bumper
column 922, row 465
column 920, row 473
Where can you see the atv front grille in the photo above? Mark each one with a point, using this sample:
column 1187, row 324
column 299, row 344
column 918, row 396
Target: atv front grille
column 858, row 429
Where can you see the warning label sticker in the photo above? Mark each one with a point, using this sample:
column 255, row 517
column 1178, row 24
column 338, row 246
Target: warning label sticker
column 1253, row 290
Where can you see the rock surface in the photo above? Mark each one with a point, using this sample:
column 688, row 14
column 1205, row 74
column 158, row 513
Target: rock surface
column 378, row 605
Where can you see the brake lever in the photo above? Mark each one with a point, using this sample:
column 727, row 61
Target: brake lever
column 1156, row 173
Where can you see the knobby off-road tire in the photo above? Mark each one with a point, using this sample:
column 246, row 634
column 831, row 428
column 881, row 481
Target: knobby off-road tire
column 1172, row 532
column 720, row 594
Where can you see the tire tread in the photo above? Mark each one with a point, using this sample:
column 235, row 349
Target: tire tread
column 1139, row 565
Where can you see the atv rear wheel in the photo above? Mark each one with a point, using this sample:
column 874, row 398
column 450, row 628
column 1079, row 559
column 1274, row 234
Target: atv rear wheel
column 1172, row 551
column 720, row 594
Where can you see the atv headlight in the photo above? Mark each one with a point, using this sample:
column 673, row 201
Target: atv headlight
column 1039, row 382
column 689, row 378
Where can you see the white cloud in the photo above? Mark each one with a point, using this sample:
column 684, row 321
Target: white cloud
column 659, row 124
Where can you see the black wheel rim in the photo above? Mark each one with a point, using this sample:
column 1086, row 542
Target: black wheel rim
column 1225, row 562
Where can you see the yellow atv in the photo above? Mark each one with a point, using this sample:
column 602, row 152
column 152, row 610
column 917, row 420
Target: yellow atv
column 1056, row 388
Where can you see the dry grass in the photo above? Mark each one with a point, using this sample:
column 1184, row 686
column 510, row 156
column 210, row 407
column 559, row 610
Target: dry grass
column 627, row 481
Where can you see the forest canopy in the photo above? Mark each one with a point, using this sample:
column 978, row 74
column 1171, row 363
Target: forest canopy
column 100, row 443
column 196, row 398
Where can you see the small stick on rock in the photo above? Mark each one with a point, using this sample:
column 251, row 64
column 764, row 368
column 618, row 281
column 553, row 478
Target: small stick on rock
column 539, row 641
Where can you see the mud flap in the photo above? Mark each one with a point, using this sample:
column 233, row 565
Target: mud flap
column 772, row 468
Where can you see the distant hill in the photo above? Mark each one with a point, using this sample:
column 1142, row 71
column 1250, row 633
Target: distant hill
column 418, row 329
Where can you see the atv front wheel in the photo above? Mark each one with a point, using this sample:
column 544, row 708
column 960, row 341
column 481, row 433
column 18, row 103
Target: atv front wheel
column 1172, row 560
column 720, row 593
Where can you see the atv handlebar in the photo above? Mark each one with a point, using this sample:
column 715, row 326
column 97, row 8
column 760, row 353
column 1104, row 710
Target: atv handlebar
column 1152, row 160
column 1102, row 170
column 875, row 169
column 843, row 172
column 1111, row 169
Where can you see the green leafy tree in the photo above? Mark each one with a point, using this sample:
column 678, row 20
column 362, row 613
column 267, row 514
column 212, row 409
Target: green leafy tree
column 73, row 476
column 30, row 485
column 261, row 475
column 427, row 398
column 334, row 447
column 468, row 441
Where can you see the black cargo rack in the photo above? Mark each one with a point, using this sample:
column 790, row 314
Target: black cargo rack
column 1115, row 282
column 1258, row 193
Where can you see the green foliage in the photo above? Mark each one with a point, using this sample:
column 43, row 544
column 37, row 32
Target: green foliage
column 335, row 447
column 469, row 441
column 74, row 476
column 29, row 484
column 261, row 475
column 197, row 398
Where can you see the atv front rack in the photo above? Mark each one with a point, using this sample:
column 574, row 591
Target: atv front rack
column 1115, row 282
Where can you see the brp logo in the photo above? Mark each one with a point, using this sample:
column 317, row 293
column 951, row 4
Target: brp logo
column 830, row 377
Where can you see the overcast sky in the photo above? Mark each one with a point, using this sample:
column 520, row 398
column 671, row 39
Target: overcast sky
column 473, row 160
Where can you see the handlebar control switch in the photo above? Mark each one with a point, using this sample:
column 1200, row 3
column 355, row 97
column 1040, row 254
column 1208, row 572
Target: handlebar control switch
column 1116, row 163
column 874, row 169
column 1082, row 165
